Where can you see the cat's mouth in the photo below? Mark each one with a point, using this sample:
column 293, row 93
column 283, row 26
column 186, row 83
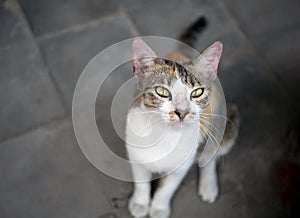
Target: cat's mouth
column 179, row 119
column 178, row 123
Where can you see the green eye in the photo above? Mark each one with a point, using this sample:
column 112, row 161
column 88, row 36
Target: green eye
column 162, row 92
column 197, row 93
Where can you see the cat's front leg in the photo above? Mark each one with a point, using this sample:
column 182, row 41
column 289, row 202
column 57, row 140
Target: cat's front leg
column 160, row 206
column 208, row 182
column 140, row 199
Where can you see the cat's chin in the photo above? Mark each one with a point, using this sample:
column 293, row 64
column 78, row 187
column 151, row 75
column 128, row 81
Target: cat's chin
column 178, row 124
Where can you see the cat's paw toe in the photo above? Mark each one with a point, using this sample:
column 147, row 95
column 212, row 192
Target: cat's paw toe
column 209, row 192
column 159, row 213
column 138, row 210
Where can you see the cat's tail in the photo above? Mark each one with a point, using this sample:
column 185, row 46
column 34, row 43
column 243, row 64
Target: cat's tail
column 231, row 129
column 190, row 35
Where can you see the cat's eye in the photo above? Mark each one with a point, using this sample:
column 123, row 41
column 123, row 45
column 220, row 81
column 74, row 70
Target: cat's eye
column 162, row 92
column 197, row 93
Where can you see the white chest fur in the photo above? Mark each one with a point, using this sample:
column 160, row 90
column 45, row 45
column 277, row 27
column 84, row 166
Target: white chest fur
column 158, row 146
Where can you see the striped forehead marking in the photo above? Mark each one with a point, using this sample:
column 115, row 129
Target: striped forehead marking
column 174, row 73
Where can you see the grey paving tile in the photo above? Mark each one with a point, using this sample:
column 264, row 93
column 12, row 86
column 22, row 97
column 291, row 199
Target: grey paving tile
column 272, row 27
column 51, row 16
column 219, row 26
column 232, row 40
column 12, row 29
column 27, row 96
column 246, row 184
column 263, row 19
column 45, row 174
column 245, row 82
column 143, row 5
column 104, row 106
column 68, row 54
column 282, row 53
column 171, row 18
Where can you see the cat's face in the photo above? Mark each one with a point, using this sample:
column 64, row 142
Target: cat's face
column 179, row 93
column 174, row 91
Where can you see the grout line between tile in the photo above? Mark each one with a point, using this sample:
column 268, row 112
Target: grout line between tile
column 267, row 70
column 28, row 30
column 37, row 127
column 32, row 38
column 132, row 26
column 79, row 27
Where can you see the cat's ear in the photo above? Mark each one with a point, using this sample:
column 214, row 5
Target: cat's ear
column 143, row 56
column 208, row 61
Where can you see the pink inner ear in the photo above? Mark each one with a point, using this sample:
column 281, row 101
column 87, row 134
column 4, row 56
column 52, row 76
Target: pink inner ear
column 209, row 60
column 213, row 54
column 143, row 56
column 141, row 50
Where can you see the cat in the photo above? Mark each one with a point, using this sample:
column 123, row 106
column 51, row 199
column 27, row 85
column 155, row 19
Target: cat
column 167, row 124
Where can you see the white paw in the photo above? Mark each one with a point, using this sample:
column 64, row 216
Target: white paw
column 159, row 212
column 208, row 190
column 137, row 209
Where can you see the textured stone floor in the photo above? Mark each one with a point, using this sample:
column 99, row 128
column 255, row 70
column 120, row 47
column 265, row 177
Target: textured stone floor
column 44, row 46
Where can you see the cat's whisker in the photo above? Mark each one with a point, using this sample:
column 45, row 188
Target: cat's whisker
column 154, row 122
column 146, row 112
column 135, row 113
column 215, row 128
column 213, row 139
column 119, row 121
column 216, row 115
column 217, row 131
column 217, row 142
column 209, row 132
column 221, row 148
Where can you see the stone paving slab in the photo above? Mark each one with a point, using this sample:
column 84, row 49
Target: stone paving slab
column 171, row 18
column 273, row 28
column 69, row 53
column 27, row 96
column 219, row 23
column 282, row 56
column 246, row 184
column 45, row 174
column 52, row 16
column 262, row 21
column 12, row 29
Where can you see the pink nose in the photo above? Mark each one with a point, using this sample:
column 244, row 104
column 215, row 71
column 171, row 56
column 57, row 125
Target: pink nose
column 181, row 113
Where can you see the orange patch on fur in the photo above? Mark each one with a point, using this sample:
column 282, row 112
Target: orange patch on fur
column 177, row 57
column 173, row 116
column 174, row 72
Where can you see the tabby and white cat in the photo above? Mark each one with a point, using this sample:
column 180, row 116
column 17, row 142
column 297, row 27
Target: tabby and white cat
column 165, row 128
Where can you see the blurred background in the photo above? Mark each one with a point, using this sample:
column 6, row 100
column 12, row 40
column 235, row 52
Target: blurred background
column 44, row 46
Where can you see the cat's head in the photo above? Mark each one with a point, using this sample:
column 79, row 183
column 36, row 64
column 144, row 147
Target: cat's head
column 180, row 92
